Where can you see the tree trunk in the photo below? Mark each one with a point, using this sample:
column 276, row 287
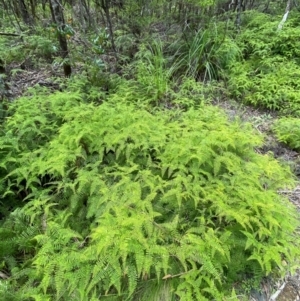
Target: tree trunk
column 58, row 18
column 238, row 14
column 33, row 5
column 24, row 13
column 285, row 16
column 105, row 5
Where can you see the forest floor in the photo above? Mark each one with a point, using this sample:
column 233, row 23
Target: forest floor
column 285, row 289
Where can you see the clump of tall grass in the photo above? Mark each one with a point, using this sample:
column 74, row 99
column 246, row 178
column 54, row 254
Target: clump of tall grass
column 152, row 72
column 205, row 55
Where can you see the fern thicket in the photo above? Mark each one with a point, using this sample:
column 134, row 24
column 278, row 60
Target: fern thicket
column 268, row 74
column 287, row 130
column 117, row 203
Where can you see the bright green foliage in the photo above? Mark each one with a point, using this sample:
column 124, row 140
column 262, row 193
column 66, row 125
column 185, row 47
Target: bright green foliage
column 274, row 84
column 269, row 76
column 123, row 204
column 287, row 130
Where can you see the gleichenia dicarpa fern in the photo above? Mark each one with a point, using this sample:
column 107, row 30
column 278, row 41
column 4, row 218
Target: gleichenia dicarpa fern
column 122, row 204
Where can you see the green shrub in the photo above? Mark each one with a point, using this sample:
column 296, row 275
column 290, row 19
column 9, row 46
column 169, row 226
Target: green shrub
column 19, row 49
column 287, row 130
column 260, row 38
column 130, row 205
column 269, row 74
column 274, row 84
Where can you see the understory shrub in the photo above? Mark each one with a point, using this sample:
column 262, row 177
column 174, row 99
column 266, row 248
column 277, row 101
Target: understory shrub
column 287, row 130
column 268, row 75
column 117, row 203
column 274, row 84
column 19, row 49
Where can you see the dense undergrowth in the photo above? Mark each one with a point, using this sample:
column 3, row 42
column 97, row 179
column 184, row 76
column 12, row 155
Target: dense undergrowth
column 267, row 76
column 126, row 183
column 133, row 202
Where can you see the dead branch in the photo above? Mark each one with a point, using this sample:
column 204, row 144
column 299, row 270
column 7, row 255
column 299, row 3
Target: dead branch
column 9, row 34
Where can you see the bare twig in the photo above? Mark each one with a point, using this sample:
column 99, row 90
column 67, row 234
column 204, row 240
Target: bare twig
column 9, row 34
